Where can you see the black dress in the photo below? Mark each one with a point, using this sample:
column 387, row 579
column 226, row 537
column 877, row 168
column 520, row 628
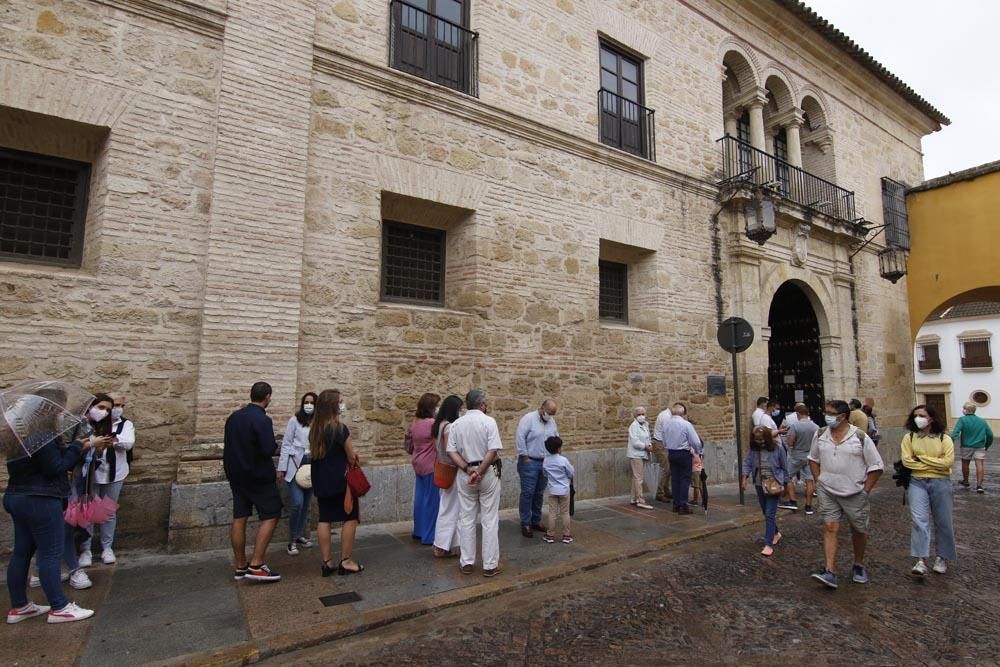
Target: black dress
column 328, row 478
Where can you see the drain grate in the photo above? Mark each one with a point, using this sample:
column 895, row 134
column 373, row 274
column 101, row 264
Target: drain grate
column 339, row 598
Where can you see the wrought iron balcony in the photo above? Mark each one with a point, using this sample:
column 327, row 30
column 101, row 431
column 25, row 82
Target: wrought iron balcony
column 433, row 48
column 743, row 162
column 626, row 125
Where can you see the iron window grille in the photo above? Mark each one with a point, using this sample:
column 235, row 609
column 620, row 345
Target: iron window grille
column 413, row 264
column 931, row 359
column 430, row 39
column 613, row 299
column 624, row 122
column 897, row 231
column 43, row 207
column 781, row 158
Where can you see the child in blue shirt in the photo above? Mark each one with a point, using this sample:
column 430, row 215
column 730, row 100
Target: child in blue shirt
column 560, row 473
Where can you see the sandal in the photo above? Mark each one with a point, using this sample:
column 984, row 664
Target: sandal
column 326, row 570
column 767, row 551
column 777, row 538
column 341, row 570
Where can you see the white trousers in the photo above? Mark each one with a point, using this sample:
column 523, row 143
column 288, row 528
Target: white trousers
column 446, row 529
column 484, row 497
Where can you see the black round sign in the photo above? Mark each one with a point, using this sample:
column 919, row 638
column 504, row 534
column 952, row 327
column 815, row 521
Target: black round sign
column 735, row 334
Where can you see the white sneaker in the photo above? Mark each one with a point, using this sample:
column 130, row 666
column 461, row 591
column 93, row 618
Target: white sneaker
column 86, row 559
column 35, row 582
column 108, row 556
column 292, row 549
column 303, row 542
column 79, row 580
column 70, row 613
column 29, row 610
column 643, row 506
column 940, row 565
column 919, row 568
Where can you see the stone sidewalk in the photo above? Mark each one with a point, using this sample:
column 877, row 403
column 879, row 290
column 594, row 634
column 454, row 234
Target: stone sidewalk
column 187, row 610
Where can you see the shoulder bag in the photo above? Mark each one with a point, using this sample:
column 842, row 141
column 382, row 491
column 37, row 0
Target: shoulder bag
column 444, row 475
column 357, row 482
column 771, row 486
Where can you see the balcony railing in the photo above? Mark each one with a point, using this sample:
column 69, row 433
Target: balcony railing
column 433, row 48
column 743, row 162
column 929, row 364
column 977, row 362
column 626, row 125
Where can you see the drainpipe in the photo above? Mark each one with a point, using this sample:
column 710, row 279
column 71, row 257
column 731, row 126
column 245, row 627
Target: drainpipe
column 854, row 325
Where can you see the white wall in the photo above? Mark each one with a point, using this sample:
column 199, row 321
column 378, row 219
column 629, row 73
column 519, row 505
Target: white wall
column 952, row 380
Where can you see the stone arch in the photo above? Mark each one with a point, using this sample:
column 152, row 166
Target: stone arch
column 741, row 74
column 816, row 137
column 813, row 107
column 818, row 293
column 780, row 90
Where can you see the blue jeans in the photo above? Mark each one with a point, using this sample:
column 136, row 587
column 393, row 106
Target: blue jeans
column 680, row 475
column 299, row 511
column 929, row 496
column 769, row 506
column 533, row 483
column 39, row 530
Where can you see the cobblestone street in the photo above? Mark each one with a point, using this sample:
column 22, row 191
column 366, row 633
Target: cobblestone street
column 717, row 601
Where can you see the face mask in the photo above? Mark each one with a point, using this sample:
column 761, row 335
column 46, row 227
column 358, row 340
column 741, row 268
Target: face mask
column 435, row 412
column 308, row 408
column 116, row 413
column 97, row 414
column 641, row 419
column 776, row 413
column 831, row 420
column 343, row 408
column 921, row 422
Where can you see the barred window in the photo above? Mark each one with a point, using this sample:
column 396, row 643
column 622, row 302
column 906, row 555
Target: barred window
column 613, row 301
column 43, row 203
column 412, row 263
column 930, row 358
column 976, row 354
column 897, row 232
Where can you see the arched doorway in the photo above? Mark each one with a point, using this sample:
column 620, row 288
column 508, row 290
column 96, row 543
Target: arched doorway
column 795, row 359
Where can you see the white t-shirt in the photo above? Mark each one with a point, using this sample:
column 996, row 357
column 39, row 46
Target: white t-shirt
column 473, row 435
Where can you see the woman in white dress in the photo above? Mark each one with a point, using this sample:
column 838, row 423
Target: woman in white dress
column 446, row 530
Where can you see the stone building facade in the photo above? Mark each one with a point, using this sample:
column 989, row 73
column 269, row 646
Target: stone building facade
column 245, row 159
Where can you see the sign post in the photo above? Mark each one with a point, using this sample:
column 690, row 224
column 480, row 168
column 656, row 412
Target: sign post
column 736, row 335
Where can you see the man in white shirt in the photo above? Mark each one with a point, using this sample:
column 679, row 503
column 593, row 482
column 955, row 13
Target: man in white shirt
column 664, row 492
column 473, row 445
column 757, row 416
column 681, row 442
column 534, row 429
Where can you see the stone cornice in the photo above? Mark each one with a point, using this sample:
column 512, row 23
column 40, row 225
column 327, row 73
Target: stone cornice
column 181, row 13
column 418, row 91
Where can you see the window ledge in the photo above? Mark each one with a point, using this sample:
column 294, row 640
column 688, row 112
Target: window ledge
column 13, row 267
column 978, row 369
column 624, row 327
column 929, row 371
column 392, row 305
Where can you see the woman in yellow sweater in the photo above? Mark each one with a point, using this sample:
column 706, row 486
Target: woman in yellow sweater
column 928, row 451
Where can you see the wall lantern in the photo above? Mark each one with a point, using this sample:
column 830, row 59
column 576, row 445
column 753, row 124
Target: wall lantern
column 760, row 225
column 892, row 263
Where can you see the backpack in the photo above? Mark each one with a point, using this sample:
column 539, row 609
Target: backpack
column 118, row 431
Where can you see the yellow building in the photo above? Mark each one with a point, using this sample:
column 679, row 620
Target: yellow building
column 955, row 227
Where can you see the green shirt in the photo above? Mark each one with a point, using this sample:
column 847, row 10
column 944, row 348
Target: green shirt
column 974, row 432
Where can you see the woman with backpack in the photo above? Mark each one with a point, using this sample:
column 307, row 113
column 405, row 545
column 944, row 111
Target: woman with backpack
column 331, row 451
column 928, row 451
column 294, row 448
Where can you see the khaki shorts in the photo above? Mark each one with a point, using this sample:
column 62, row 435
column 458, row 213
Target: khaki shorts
column 834, row 508
column 972, row 453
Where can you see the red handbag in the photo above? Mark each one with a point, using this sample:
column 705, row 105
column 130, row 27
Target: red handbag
column 356, row 481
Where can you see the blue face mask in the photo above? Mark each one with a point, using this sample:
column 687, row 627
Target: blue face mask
column 776, row 413
column 831, row 420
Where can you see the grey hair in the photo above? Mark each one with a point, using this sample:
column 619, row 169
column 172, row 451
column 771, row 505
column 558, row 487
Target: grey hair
column 970, row 407
column 475, row 398
column 546, row 402
column 635, row 411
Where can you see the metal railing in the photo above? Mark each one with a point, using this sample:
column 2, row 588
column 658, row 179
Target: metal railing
column 626, row 125
column 433, row 48
column 743, row 162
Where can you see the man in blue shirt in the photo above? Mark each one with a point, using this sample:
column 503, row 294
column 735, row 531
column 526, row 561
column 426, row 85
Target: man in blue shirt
column 247, row 458
column 533, row 430
column 681, row 442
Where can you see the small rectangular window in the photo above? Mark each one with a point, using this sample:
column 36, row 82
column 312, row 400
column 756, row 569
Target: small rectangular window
column 43, row 204
column 931, row 360
column 976, row 354
column 413, row 264
column 897, row 232
column 613, row 304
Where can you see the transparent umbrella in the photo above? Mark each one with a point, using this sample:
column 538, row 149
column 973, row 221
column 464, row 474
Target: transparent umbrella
column 36, row 413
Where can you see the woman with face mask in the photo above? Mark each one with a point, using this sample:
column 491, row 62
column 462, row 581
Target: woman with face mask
column 766, row 460
column 294, row 452
column 102, row 439
column 419, row 444
column 928, row 451
column 639, row 446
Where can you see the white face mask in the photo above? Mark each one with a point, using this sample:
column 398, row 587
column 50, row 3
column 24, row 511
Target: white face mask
column 116, row 413
column 308, row 408
column 435, row 412
column 97, row 414
column 641, row 419
column 343, row 408
column 831, row 420
column 921, row 422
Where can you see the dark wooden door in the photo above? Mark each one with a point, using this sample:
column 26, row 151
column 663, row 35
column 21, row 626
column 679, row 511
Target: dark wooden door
column 937, row 402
